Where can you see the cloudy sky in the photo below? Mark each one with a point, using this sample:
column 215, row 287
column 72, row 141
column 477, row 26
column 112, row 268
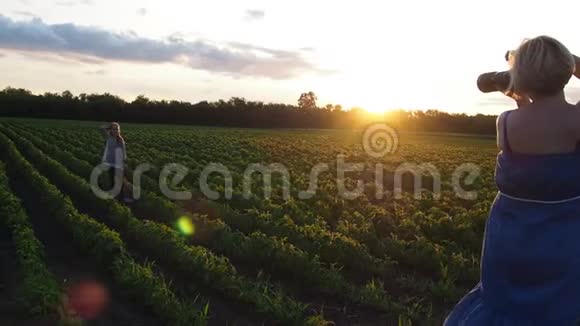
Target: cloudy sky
column 374, row 54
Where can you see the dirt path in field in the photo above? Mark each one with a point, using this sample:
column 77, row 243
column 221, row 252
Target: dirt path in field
column 69, row 265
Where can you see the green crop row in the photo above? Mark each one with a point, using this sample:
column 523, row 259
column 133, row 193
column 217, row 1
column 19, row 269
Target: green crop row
column 275, row 254
column 332, row 247
column 40, row 292
column 426, row 251
column 87, row 150
column 169, row 247
column 104, row 244
column 354, row 244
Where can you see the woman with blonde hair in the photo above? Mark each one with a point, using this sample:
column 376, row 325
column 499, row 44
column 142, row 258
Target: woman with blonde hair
column 115, row 155
column 530, row 264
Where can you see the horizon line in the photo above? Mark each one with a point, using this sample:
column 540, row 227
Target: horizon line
column 351, row 108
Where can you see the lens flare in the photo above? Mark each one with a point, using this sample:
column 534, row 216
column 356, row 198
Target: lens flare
column 87, row 300
column 185, row 226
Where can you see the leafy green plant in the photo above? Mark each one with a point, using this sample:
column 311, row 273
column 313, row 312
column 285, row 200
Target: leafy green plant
column 168, row 247
column 104, row 244
column 40, row 292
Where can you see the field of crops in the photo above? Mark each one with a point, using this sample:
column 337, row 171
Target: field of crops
column 226, row 257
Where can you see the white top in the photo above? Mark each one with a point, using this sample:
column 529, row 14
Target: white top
column 115, row 153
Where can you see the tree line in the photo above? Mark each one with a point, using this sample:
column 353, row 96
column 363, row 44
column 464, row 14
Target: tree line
column 236, row 112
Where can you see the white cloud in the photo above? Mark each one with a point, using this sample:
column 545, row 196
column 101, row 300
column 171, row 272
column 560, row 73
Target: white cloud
column 90, row 43
column 72, row 3
column 253, row 15
column 24, row 13
column 142, row 11
column 99, row 72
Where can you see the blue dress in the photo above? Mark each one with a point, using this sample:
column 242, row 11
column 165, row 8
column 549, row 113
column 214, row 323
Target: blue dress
column 530, row 265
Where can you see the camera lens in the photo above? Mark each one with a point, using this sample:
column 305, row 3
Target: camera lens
column 494, row 81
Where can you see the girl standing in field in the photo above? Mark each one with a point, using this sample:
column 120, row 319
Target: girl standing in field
column 115, row 155
column 530, row 265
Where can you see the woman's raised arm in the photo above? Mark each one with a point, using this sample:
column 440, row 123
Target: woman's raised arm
column 104, row 130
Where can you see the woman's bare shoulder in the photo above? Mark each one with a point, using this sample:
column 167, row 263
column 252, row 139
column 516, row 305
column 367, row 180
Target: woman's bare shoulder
column 573, row 119
column 499, row 126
